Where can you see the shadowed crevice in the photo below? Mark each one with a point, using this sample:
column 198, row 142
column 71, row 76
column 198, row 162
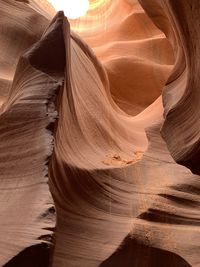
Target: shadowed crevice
column 132, row 253
column 34, row 256
column 154, row 215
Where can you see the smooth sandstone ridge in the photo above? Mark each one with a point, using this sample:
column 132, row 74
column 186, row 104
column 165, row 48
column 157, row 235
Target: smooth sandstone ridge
column 99, row 134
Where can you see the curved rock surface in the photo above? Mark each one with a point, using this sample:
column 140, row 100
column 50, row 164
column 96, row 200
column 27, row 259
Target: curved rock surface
column 86, row 178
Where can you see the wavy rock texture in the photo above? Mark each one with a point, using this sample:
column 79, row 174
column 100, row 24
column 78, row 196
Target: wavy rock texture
column 27, row 109
column 120, row 197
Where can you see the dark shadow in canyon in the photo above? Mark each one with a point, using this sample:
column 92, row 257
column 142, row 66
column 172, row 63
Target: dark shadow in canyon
column 34, row 256
column 133, row 253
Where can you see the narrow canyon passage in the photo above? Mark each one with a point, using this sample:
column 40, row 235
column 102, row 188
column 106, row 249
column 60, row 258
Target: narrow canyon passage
column 95, row 113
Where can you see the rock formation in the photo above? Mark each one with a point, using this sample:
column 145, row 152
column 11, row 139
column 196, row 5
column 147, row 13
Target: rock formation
column 99, row 134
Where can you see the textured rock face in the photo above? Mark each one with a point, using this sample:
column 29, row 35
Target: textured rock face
column 96, row 117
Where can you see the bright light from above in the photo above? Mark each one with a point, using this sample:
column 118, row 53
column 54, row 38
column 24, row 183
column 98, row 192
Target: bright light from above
column 73, row 8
